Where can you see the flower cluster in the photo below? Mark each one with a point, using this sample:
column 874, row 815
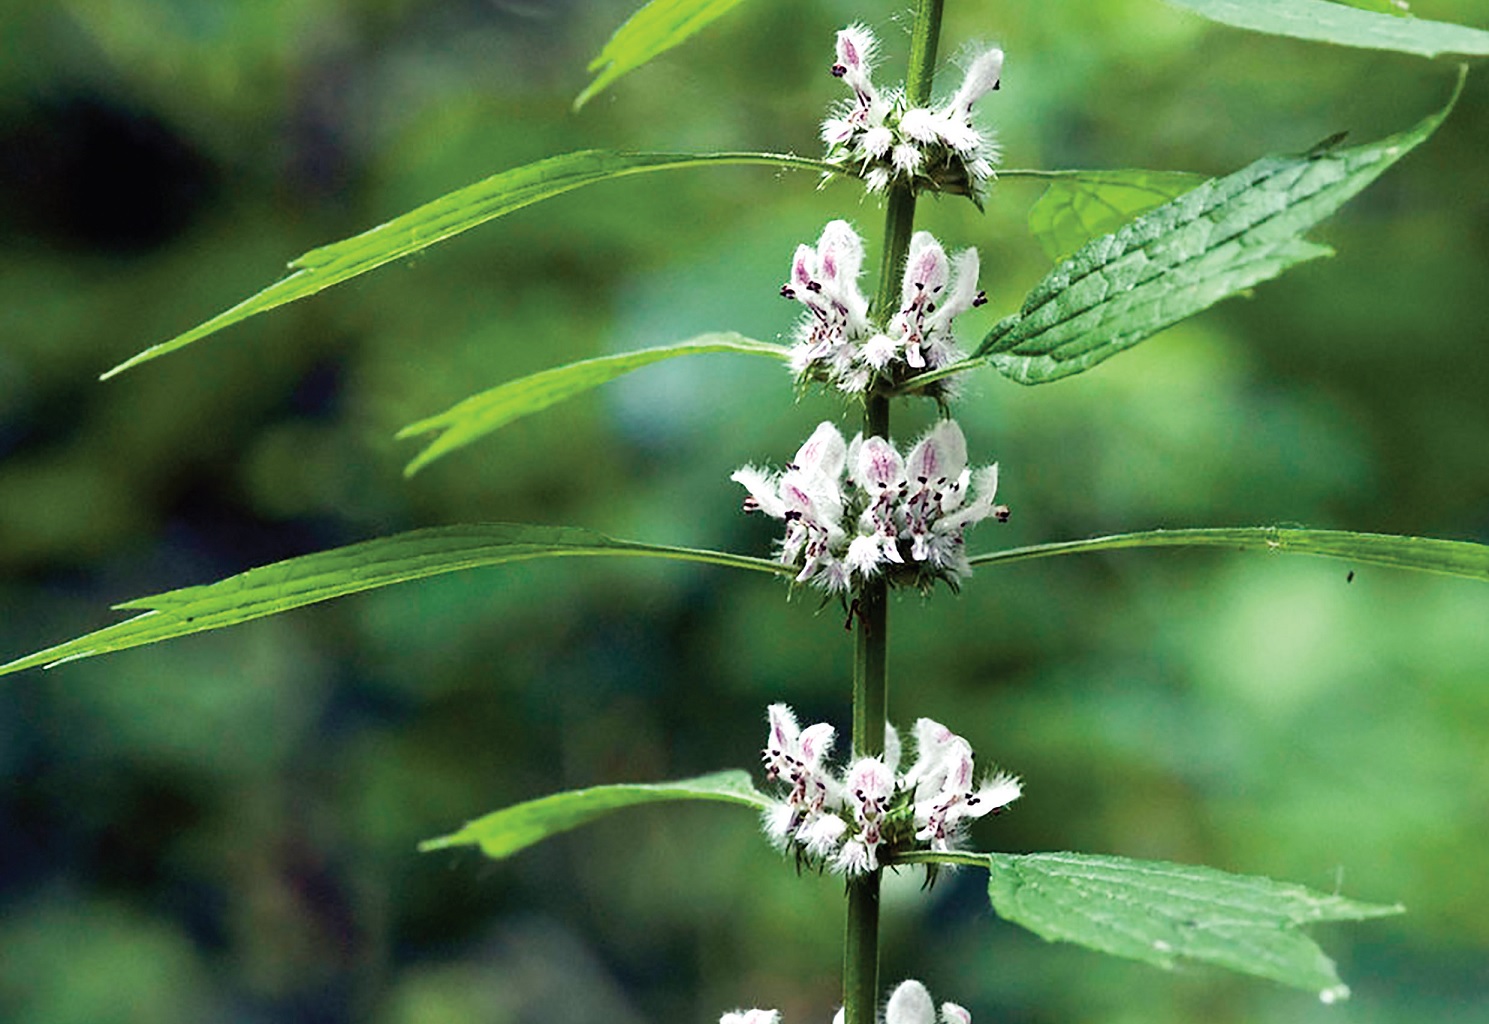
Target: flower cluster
column 855, row 511
column 909, row 1003
column 849, row 823
column 880, row 137
column 837, row 342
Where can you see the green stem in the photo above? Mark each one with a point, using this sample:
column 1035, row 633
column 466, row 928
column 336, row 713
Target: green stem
column 870, row 667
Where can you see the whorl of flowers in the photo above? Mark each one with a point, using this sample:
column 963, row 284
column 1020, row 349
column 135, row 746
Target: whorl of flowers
column 856, row 510
column 836, row 340
column 852, row 821
column 880, row 137
column 909, row 1003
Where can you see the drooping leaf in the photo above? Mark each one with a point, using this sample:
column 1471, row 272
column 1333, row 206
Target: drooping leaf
column 1326, row 22
column 448, row 216
column 1448, row 557
column 1219, row 239
column 1088, row 204
column 653, row 30
column 490, row 410
column 508, row 831
column 1165, row 914
column 296, row 582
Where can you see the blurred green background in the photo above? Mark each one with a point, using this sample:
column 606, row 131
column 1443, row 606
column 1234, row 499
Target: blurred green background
column 223, row 828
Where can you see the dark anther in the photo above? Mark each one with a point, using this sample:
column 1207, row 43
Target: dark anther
column 1001, row 513
column 787, row 292
column 814, row 286
column 981, row 299
column 791, row 515
column 838, row 71
column 997, row 85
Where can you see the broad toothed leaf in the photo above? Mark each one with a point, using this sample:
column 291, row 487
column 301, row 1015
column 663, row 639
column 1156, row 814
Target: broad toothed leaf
column 297, row 582
column 1172, row 262
column 508, row 831
column 448, row 216
column 1166, row 914
column 479, row 415
column 1083, row 205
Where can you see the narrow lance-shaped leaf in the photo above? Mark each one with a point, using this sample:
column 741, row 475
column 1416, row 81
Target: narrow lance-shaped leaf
column 490, row 410
column 1324, row 22
column 448, row 216
column 653, row 30
column 1080, row 206
column 1222, row 238
column 296, row 582
column 508, row 831
column 1165, row 914
column 1425, row 554
column 1395, row 8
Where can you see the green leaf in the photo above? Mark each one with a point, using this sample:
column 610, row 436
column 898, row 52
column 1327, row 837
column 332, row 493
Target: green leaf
column 653, row 30
column 296, row 582
column 1395, row 8
column 1448, row 557
column 1335, row 23
column 1167, row 913
column 1220, row 239
column 490, row 410
column 505, row 832
column 448, row 216
column 1087, row 204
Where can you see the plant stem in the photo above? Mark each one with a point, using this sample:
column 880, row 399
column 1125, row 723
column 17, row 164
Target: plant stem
column 870, row 666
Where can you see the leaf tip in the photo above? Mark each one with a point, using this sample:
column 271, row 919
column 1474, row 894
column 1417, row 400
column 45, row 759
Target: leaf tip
column 440, row 843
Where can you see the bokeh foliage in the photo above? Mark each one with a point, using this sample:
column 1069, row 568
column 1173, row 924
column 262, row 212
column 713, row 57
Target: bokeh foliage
column 226, row 825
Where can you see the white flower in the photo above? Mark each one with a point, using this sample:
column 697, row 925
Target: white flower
column 751, row 1017
column 909, row 1003
column 934, row 292
column 837, row 342
column 941, row 781
column 794, row 756
column 808, row 498
column 856, row 511
column 867, row 790
column 879, row 137
column 936, row 511
column 848, row 823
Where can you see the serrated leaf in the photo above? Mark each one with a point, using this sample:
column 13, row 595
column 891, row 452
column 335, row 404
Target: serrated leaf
column 490, row 410
column 448, row 216
column 508, row 831
column 1219, row 239
column 651, row 31
column 1164, row 914
column 1087, row 204
column 1324, row 22
column 1460, row 558
column 297, row 582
